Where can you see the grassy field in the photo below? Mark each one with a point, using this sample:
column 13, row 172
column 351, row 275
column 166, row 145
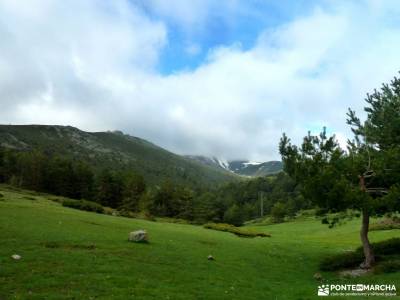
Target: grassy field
column 71, row 254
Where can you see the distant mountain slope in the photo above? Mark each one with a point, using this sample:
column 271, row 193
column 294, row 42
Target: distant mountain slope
column 210, row 161
column 113, row 150
column 254, row 168
column 241, row 167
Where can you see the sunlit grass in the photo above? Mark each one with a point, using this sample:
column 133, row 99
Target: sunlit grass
column 71, row 254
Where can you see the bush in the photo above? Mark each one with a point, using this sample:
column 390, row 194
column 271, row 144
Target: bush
column 125, row 213
column 278, row 212
column 57, row 199
column 386, row 224
column 234, row 215
column 235, row 230
column 305, row 213
column 84, row 205
column 110, row 211
column 148, row 216
column 325, row 221
column 219, row 226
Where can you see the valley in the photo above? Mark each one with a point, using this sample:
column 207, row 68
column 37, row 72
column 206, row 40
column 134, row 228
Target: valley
column 71, row 254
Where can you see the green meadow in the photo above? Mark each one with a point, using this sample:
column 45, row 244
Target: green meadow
column 71, row 254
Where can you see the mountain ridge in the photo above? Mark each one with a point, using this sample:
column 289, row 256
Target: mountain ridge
column 241, row 167
column 113, row 150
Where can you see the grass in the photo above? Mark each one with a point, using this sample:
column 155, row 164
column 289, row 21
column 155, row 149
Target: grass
column 73, row 254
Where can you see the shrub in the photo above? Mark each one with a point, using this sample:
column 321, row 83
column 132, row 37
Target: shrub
column 306, row 213
column 149, row 217
column 386, row 224
column 219, row 226
column 234, row 215
column 125, row 213
column 110, row 211
column 168, row 220
column 56, row 199
column 84, row 205
column 235, row 230
column 278, row 212
column 250, row 234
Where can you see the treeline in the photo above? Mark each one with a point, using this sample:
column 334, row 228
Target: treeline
column 275, row 195
column 232, row 203
column 43, row 172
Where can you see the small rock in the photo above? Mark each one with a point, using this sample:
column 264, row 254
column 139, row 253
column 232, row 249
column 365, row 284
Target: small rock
column 139, row 236
column 16, row 257
column 317, row 276
column 210, row 257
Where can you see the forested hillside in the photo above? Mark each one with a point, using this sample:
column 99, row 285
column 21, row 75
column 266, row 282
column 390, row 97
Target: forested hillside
column 112, row 151
column 135, row 176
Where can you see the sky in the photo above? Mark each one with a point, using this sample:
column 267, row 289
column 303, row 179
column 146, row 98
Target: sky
column 220, row 78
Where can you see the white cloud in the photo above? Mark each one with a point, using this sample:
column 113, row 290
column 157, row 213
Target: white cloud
column 92, row 64
column 184, row 12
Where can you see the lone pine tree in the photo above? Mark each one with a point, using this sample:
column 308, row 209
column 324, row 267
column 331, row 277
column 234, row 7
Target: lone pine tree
column 366, row 177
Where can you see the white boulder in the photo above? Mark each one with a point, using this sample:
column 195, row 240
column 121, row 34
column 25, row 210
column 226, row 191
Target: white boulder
column 138, row 236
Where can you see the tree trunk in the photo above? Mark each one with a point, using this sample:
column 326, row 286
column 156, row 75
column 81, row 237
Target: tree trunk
column 368, row 252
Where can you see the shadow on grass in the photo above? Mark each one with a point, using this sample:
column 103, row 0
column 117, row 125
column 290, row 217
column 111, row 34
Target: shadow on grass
column 387, row 255
column 60, row 245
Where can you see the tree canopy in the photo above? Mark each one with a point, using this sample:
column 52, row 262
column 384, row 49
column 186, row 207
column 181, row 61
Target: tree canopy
column 365, row 176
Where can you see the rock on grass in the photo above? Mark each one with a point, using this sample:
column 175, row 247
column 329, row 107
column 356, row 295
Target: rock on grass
column 139, row 236
column 16, row 257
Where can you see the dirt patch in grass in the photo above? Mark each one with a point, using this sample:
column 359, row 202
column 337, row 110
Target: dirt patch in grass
column 207, row 243
column 354, row 273
column 60, row 245
column 235, row 230
column 91, row 223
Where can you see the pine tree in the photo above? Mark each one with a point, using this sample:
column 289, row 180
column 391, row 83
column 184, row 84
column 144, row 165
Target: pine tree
column 366, row 177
